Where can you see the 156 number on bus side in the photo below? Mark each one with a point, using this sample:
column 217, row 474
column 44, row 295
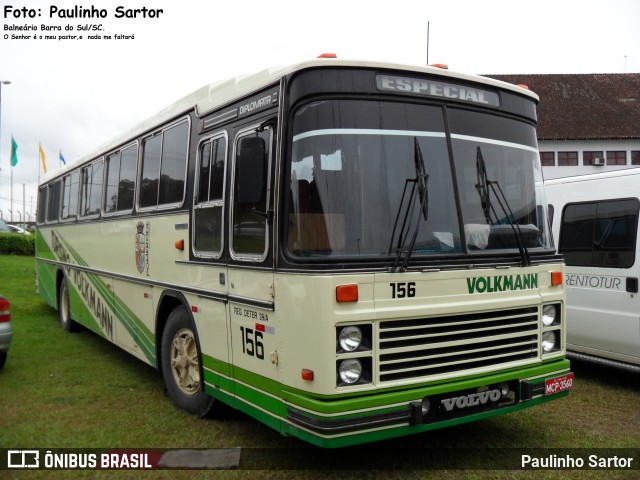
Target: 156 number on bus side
column 252, row 342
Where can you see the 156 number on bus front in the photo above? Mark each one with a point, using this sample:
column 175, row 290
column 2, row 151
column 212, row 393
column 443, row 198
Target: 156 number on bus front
column 403, row 289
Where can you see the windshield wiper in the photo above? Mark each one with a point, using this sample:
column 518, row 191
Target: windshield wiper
column 423, row 193
column 483, row 186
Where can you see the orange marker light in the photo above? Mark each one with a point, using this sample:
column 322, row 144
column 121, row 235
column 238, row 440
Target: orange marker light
column 443, row 66
column 522, row 85
column 307, row 374
column 327, row 55
column 347, row 293
column 179, row 244
column 556, row 279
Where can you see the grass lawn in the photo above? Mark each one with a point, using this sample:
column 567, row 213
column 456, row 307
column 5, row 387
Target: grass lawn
column 61, row 390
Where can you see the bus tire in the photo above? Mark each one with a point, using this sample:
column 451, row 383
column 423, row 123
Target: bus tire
column 64, row 309
column 181, row 365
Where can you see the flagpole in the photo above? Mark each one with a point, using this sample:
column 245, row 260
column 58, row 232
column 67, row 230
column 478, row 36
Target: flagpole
column 11, row 210
column 4, row 82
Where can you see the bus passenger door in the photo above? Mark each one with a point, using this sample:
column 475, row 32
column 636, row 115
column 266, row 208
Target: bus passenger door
column 251, row 291
column 210, row 275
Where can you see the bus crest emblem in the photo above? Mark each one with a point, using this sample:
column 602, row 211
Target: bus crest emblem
column 141, row 255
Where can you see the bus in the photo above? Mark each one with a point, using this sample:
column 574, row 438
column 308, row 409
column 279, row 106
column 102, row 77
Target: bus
column 347, row 251
column 595, row 225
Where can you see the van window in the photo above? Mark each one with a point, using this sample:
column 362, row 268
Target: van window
column 600, row 234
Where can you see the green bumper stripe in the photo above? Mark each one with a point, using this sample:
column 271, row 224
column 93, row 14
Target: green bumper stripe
column 217, row 373
column 268, row 401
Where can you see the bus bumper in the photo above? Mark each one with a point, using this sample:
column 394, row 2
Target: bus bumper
column 432, row 407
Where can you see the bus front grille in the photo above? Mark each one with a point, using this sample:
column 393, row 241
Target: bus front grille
column 427, row 347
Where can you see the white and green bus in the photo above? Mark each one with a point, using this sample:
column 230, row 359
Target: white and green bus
column 346, row 251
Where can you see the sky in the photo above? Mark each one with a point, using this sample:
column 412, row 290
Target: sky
column 72, row 95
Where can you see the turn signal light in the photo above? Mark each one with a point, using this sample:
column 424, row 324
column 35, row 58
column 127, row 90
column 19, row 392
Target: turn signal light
column 179, row 245
column 556, row 279
column 307, row 374
column 346, row 293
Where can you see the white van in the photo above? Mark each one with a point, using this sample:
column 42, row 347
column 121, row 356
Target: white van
column 595, row 226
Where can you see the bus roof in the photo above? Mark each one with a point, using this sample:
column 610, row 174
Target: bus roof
column 218, row 94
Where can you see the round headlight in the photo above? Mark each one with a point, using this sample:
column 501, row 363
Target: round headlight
column 350, row 371
column 549, row 315
column 350, row 338
column 549, row 341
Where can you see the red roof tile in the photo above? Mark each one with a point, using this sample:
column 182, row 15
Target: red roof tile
column 584, row 106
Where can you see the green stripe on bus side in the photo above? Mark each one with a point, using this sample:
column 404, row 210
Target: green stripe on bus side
column 259, row 382
column 264, row 393
column 246, row 387
column 275, row 422
column 47, row 283
column 122, row 313
column 80, row 310
column 138, row 331
column 42, row 247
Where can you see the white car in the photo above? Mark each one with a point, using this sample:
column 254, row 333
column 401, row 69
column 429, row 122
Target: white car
column 16, row 229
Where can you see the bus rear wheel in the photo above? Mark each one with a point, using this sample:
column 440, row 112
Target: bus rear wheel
column 64, row 309
column 181, row 365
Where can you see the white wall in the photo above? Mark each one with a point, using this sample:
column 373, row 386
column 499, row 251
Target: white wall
column 589, row 146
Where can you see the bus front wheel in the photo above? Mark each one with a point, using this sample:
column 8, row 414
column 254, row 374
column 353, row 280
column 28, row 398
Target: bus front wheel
column 181, row 358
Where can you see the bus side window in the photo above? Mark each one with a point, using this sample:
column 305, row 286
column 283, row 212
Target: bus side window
column 70, row 195
column 42, row 205
column 91, row 189
column 53, row 205
column 209, row 197
column 121, row 179
column 164, row 167
column 250, row 214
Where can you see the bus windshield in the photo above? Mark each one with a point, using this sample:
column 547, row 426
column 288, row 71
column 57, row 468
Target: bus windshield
column 375, row 179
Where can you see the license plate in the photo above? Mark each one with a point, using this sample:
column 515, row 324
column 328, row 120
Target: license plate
column 558, row 384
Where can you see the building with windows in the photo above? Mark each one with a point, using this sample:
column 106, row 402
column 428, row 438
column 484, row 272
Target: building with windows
column 587, row 123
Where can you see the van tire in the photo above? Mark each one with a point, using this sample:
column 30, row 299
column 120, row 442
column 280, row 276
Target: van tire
column 182, row 365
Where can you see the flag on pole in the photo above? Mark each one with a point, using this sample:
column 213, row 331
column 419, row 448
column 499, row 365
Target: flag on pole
column 62, row 160
column 43, row 158
column 14, row 152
